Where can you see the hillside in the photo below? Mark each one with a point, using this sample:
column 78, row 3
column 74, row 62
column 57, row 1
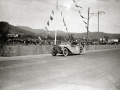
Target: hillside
column 41, row 31
column 38, row 32
column 15, row 29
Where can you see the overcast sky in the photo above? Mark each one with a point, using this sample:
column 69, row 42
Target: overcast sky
column 36, row 13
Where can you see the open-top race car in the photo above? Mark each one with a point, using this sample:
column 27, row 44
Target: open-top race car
column 67, row 49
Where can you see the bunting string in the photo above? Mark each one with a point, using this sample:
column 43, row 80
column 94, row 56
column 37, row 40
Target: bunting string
column 80, row 12
column 84, row 21
column 83, row 17
column 64, row 21
column 48, row 22
column 77, row 5
column 65, row 24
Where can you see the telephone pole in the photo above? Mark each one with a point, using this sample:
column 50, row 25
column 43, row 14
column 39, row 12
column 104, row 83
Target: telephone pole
column 88, row 24
column 56, row 24
column 98, row 21
column 99, row 12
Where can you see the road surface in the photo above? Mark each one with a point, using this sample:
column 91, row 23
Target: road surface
column 98, row 70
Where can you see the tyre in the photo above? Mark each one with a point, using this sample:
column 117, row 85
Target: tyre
column 81, row 50
column 65, row 52
column 53, row 52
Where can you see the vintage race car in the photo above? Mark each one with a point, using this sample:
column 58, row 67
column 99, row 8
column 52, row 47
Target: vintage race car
column 67, row 49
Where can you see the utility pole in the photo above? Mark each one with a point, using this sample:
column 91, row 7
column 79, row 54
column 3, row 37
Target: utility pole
column 98, row 26
column 99, row 12
column 56, row 23
column 88, row 24
column 98, row 21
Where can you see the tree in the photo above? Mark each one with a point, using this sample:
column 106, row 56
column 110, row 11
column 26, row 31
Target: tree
column 106, row 38
column 49, row 38
column 4, row 30
column 72, row 37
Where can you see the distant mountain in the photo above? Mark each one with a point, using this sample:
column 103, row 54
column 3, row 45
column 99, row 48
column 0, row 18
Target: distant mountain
column 102, row 34
column 42, row 31
column 17, row 30
column 38, row 32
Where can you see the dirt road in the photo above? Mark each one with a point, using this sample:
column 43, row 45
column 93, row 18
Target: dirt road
column 93, row 71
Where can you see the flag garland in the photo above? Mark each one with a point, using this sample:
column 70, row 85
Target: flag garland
column 64, row 21
column 48, row 22
column 81, row 14
column 65, row 24
column 82, row 19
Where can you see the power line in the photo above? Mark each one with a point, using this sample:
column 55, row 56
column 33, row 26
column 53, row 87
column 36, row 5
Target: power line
column 108, row 21
column 64, row 7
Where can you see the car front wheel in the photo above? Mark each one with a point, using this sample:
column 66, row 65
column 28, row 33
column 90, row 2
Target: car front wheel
column 65, row 52
column 53, row 52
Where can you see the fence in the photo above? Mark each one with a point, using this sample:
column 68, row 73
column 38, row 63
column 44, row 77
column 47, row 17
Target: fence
column 19, row 50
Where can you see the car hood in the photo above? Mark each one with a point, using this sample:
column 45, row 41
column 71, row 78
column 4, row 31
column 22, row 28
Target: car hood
column 65, row 45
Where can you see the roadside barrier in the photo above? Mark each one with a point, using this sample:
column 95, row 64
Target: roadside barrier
column 20, row 50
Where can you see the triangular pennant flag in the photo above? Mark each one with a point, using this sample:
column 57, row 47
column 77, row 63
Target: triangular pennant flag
column 104, row 12
column 51, row 18
column 74, row 1
column 63, row 20
column 66, row 28
column 46, row 28
column 64, row 24
column 84, row 22
column 78, row 6
column 82, row 17
column 79, row 12
column 52, row 12
column 48, row 23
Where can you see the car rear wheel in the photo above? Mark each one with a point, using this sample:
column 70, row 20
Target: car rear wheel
column 81, row 50
column 65, row 52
